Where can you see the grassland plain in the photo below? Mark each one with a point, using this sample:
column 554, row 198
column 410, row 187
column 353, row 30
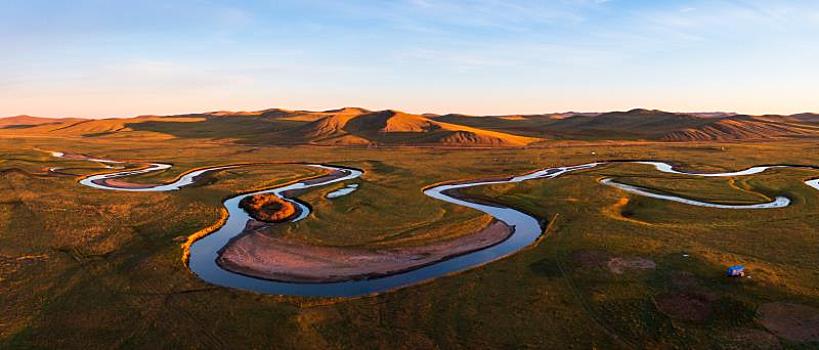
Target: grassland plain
column 84, row 268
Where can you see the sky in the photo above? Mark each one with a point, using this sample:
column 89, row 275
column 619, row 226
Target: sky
column 92, row 58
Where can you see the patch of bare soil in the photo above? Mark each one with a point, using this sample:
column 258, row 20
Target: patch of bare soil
column 749, row 339
column 590, row 258
column 794, row 322
column 600, row 259
column 275, row 258
column 620, row 265
column 329, row 177
column 120, row 183
column 686, row 306
column 75, row 156
column 321, row 179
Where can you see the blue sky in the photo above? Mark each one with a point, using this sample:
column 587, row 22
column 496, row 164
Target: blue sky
column 119, row 58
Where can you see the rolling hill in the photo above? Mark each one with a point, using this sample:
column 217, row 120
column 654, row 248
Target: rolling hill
column 398, row 128
column 642, row 124
column 23, row 121
column 358, row 126
column 743, row 128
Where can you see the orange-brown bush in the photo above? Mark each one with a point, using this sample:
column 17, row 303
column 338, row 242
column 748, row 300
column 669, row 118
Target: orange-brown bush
column 186, row 247
column 268, row 207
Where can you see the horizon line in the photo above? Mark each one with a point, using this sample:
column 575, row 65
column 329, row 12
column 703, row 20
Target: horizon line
column 307, row 110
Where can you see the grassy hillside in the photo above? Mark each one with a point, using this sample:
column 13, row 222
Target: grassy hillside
column 745, row 128
column 641, row 124
column 25, row 121
column 358, row 126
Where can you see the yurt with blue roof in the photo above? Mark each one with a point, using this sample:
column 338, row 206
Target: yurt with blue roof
column 736, row 271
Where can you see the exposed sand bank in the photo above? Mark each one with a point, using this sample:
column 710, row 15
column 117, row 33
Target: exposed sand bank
column 120, row 184
column 325, row 178
column 259, row 255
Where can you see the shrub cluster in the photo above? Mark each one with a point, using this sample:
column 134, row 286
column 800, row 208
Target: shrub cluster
column 268, row 207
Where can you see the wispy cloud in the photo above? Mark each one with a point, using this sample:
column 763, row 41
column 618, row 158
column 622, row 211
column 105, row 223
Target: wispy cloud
column 91, row 50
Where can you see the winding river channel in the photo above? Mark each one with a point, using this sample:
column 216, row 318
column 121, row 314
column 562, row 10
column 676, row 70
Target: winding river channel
column 205, row 252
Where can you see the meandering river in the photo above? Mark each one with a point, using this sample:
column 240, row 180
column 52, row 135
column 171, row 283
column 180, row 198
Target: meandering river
column 205, row 252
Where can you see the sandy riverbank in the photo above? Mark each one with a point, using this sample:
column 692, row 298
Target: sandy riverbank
column 120, row 184
column 260, row 255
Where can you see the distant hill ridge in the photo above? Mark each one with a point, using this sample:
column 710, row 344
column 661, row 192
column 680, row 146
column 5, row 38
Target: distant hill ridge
column 359, row 126
column 23, row 120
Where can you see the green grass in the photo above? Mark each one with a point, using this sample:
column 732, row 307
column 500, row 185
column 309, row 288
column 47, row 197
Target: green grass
column 112, row 276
